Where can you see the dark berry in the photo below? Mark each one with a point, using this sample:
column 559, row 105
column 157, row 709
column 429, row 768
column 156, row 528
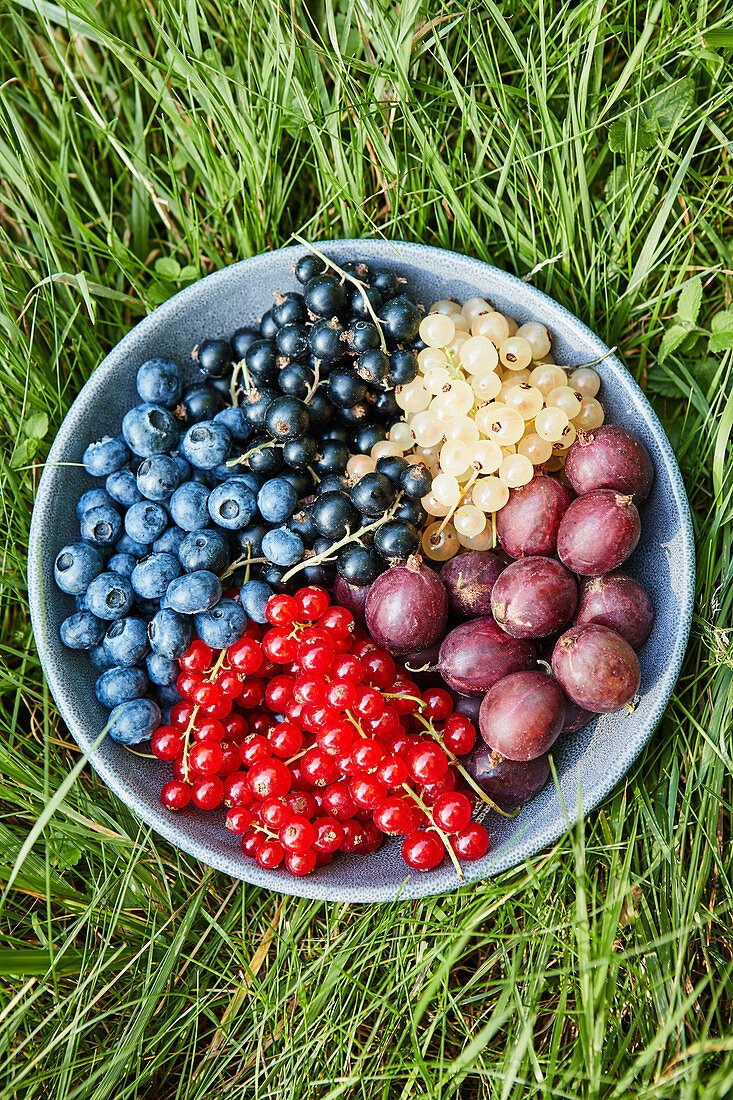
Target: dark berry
column 321, row 409
column 359, row 565
column 403, row 367
column 289, row 309
column 308, row 267
column 385, row 407
column 366, row 435
column 416, row 480
column 360, row 336
column 300, row 453
column 357, row 305
column 242, row 339
column 372, row 366
column 392, row 466
column 324, row 295
column 256, row 404
column 264, row 460
column 332, row 483
column 345, row 389
column 386, row 282
column 201, row 403
column 354, row 416
column 292, row 341
column 396, row 540
column 373, row 494
column 295, row 380
column 331, row 458
column 325, row 340
column 215, row 358
column 287, row 418
column 334, row 515
column 261, row 361
column 268, row 326
column 400, row 319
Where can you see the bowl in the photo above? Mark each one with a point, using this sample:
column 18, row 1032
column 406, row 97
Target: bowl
column 589, row 763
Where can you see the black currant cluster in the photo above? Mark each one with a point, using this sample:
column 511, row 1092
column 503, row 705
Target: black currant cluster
column 315, row 383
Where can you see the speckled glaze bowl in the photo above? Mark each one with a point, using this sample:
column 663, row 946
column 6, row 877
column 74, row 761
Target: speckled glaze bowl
column 589, row 763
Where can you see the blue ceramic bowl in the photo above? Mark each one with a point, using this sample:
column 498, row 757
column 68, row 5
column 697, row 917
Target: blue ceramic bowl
column 589, row 763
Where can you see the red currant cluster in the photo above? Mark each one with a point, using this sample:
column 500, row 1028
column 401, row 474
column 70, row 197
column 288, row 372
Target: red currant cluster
column 317, row 742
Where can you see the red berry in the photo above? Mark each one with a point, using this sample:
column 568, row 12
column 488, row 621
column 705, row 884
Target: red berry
column 281, row 610
column 203, row 693
column 254, row 630
column 285, row 739
column 337, row 621
column 329, row 835
column 309, row 689
column 260, row 720
column 252, row 693
column 166, row 743
column 385, row 725
column 179, row 771
column 175, row 794
column 392, row 771
column 438, row 703
column 275, row 812
column 400, row 744
column 472, row 842
column 353, row 835
column 208, row 792
column 181, row 714
column 235, row 728
column 300, row 863
column 238, row 819
column 452, row 812
column 297, row 834
column 245, row 656
column 366, row 791
column 205, row 758
column 220, row 708
column 422, row 850
column 341, row 694
column 427, row 762
column 322, row 717
column 336, row 739
column 269, row 778
column 318, row 768
column 278, row 692
column 348, row 667
column 208, row 729
column 296, row 713
column 312, row 602
column 270, row 854
column 251, row 842
column 186, row 684
column 338, row 802
column 279, row 645
column 254, row 749
column 236, row 790
column 317, row 656
column 230, row 759
column 459, row 734
column 379, row 668
column 372, row 838
column 366, row 754
column 229, row 683
column 369, row 702
column 407, row 696
column 431, row 791
column 394, row 816
column 197, row 657
column 341, row 645
column 301, row 803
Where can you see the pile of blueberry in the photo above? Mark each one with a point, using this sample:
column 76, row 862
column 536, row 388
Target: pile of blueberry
column 243, row 481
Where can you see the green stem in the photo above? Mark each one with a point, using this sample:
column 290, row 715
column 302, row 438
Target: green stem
column 443, row 836
column 254, row 450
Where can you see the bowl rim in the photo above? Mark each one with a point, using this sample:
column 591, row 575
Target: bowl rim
column 168, row 825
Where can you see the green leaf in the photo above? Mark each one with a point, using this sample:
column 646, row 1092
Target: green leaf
column 188, row 272
column 722, row 321
column 688, row 306
column 631, row 132
column 721, row 340
column 663, row 383
column 168, row 267
column 670, row 103
column 63, row 852
column 671, row 340
column 22, row 454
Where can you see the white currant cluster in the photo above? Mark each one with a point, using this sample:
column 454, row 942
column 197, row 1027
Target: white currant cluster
column 488, row 406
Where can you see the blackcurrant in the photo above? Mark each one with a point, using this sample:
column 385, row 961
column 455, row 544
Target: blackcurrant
column 308, row 267
column 355, row 416
column 411, row 511
column 334, row 515
column 325, row 339
column 386, row 282
column 255, row 405
column 302, row 523
column 358, row 269
column 358, row 307
column 301, row 482
column 261, row 361
column 385, row 407
column 268, row 326
column 300, row 453
column 373, row 494
column 287, row 418
column 331, row 458
column 201, row 403
column 403, row 367
column 324, row 295
column 372, row 366
column 360, row 336
column 289, row 309
column 396, row 540
column 320, row 408
column 241, row 340
column 392, row 466
column 366, row 435
column 416, row 480
column 345, row 389
column 295, row 379
column 215, row 358
column 400, row 319
column 336, row 431
column 359, row 565
column 265, row 460
column 292, row 341
column 273, row 575
column 332, row 483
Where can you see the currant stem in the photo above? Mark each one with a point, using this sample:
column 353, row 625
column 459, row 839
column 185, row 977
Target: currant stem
column 464, row 490
column 239, row 563
column 253, row 450
column 351, row 279
column 443, row 836
column 315, row 383
column 186, row 736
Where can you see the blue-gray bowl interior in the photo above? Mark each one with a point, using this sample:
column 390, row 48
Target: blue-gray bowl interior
column 589, row 763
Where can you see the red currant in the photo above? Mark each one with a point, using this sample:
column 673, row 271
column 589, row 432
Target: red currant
column 297, row 834
column 369, row 702
column 316, row 656
column 197, row 657
column 338, row 802
column 236, row 790
column 301, row 803
column 341, row 694
column 353, row 835
column 203, row 693
column 166, row 743
column 205, row 758
column 337, row 621
column 318, row 768
column 230, row 759
column 372, row 838
column 322, row 717
column 254, row 630
column 175, row 794
column 300, row 863
column 472, row 842
column 220, row 708
column 427, row 762
column 422, row 850
column 296, row 713
column 260, row 720
column 366, row 754
column 366, row 791
column 279, row 645
column 281, row 610
column 459, row 734
column 269, row 778
column 208, row 792
column 270, row 854
column 431, row 791
column 252, row 693
column 238, row 819
column 348, row 667
column 275, row 812
column 336, row 739
column 452, row 812
column 309, row 689
column 186, row 684
column 385, row 725
column 394, row 816
column 379, row 668
column 235, row 728
column 251, row 842
column 285, row 739
column 392, row 771
column 245, row 656
column 407, row 695
column 438, row 703
column 254, row 749
column 181, row 714
column 312, row 602
column 208, row 729
column 329, row 835
column 278, row 693
column 229, row 683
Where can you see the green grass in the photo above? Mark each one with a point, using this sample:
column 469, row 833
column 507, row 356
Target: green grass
column 144, row 145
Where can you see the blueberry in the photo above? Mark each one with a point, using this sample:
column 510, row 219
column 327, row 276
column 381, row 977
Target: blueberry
column 126, row 641
column 208, row 549
column 373, row 494
column 232, row 504
column 282, row 546
column 122, row 487
column 152, row 575
column 308, row 267
column 416, row 480
column 169, row 542
column 80, row 602
column 251, row 540
column 150, row 430
column 93, row 498
column 145, row 522
column 334, row 515
column 253, row 596
column 146, row 609
column 236, row 423
column 277, row 500
column 76, row 567
column 184, row 467
column 301, row 482
column 110, row 596
column 206, row 444
column 248, row 477
column 167, row 697
column 159, row 382
column 201, row 403
column 170, row 634
column 324, row 295
column 214, row 358
column 222, row 625
column 81, row 631
column 161, row 671
column 133, row 722
column 101, row 525
column 105, row 456
column 289, row 309
column 193, row 592
column 241, row 340
column 188, row 506
column 287, row 418
column 119, row 685
column 122, row 564
column 127, row 545
column 99, row 658
column 158, row 477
